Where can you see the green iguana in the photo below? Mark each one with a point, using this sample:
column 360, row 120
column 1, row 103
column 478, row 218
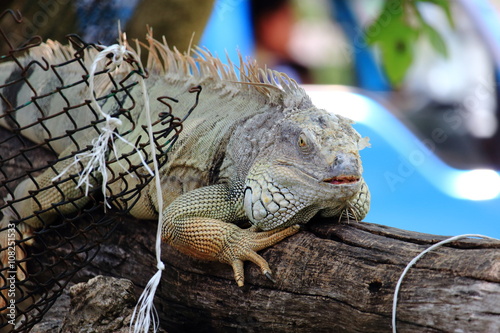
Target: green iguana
column 254, row 149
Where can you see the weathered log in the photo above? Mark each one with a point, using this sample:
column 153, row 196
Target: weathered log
column 334, row 277
column 331, row 277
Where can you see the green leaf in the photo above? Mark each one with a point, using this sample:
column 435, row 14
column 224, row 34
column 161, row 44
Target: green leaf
column 394, row 38
column 377, row 30
column 445, row 5
column 436, row 40
column 397, row 51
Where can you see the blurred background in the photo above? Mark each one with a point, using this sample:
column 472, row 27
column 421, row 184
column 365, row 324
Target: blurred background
column 419, row 78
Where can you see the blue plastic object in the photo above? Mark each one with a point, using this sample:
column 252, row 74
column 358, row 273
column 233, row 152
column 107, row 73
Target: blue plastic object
column 229, row 30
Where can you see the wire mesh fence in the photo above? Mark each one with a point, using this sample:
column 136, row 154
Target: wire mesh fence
column 32, row 273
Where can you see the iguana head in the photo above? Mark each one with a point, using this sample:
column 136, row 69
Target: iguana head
column 313, row 164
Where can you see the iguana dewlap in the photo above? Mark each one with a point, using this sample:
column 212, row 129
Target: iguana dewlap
column 255, row 148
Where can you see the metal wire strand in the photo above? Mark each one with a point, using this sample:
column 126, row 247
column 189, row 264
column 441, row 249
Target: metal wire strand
column 42, row 271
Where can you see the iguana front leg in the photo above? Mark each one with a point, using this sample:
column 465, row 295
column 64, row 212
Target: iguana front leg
column 196, row 223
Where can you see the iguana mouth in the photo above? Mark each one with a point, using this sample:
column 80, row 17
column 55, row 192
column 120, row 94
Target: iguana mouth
column 340, row 180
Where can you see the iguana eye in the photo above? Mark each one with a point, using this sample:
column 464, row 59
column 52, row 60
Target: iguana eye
column 302, row 142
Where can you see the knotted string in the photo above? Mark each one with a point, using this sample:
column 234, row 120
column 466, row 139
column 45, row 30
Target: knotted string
column 144, row 313
column 95, row 159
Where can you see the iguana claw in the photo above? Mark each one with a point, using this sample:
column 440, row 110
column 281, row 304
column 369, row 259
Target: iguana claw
column 270, row 277
column 243, row 244
column 187, row 227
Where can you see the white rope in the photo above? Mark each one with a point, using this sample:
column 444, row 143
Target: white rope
column 407, row 268
column 96, row 158
column 145, row 313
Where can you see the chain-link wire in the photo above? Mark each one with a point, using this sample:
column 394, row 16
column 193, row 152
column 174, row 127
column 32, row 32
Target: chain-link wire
column 36, row 266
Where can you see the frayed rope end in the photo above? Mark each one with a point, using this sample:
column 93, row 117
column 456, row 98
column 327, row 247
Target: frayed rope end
column 145, row 313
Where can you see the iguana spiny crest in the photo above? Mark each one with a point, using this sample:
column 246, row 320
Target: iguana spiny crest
column 254, row 148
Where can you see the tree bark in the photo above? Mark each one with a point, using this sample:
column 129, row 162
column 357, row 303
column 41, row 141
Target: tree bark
column 331, row 277
column 334, row 277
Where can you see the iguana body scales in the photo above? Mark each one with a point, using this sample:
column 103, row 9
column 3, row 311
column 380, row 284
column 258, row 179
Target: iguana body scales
column 253, row 148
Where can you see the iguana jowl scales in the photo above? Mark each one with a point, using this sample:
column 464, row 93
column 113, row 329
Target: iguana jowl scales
column 255, row 148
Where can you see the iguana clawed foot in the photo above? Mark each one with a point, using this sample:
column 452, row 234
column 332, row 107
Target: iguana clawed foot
column 242, row 246
column 211, row 239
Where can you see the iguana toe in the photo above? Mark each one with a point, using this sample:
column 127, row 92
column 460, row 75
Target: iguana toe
column 242, row 246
